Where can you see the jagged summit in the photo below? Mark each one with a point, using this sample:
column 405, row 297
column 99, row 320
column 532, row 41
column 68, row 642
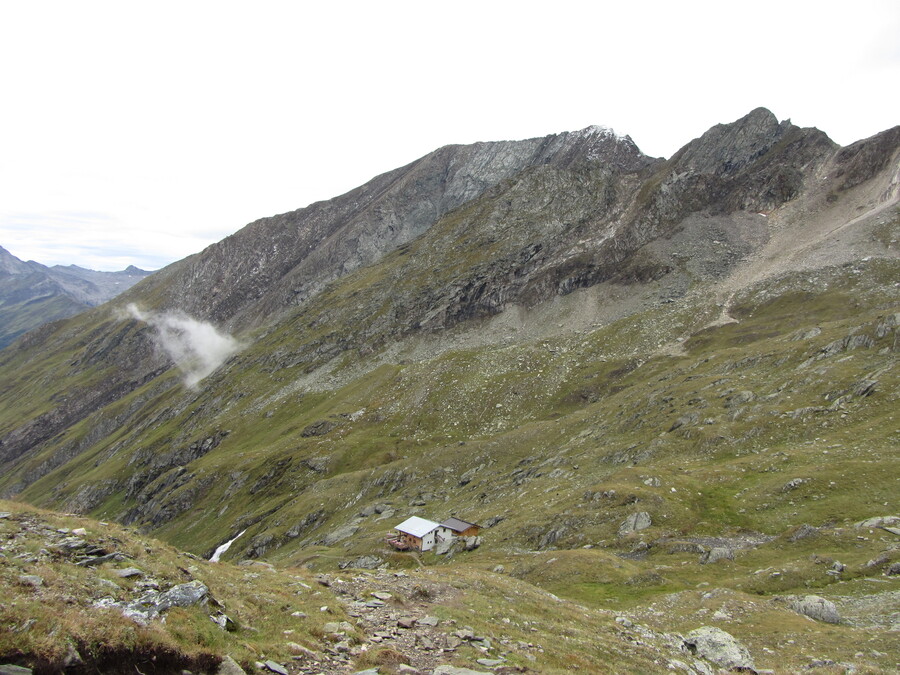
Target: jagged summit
column 727, row 148
column 604, row 132
column 10, row 264
column 600, row 130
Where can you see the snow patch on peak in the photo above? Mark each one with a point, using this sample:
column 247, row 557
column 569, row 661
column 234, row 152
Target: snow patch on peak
column 598, row 129
column 603, row 131
column 601, row 140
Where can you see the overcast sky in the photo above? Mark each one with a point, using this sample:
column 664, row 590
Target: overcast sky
column 139, row 133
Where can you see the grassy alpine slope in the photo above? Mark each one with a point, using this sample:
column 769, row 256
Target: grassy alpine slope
column 730, row 376
column 586, row 432
column 740, row 437
column 62, row 574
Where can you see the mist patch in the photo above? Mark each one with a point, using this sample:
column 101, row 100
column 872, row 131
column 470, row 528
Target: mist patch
column 196, row 347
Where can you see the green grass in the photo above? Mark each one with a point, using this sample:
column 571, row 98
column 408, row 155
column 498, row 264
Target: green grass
column 532, row 432
column 260, row 602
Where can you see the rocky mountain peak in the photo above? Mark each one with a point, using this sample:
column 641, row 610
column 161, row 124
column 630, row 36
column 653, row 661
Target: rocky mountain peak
column 32, row 294
column 727, row 148
column 10, row 264
column 283, row 261
column 601, row 144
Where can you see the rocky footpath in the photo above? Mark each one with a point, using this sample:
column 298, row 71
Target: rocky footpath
column 397, row 616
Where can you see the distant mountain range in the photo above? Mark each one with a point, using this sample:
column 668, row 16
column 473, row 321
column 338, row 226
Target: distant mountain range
column 32, row 294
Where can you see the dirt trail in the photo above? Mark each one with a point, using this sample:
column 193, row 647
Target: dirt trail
column 799, row 241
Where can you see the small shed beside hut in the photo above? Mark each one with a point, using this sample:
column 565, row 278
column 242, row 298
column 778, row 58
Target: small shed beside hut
column 460, row 528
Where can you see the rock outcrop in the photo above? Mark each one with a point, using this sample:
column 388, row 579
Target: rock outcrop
column 816, row 607
column 719, row 647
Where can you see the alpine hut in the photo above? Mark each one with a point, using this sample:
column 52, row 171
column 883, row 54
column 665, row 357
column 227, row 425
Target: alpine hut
column 417, row 533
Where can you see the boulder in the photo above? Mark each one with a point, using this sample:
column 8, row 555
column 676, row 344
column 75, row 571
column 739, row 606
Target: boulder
column 300, row 650
column 100, row 559
column 793, row 484
column 739, row 398
column 275, row 667
column 364, row 562
column 716, row 554
column 817, row 608
column 129, row 572
column 340, row 534
column 183, row 595
column 804, row 531
column 472, row 543
column 152, row 604
column 673, row 547
column 453, row 670
column 32, row 580
column 635, row 522
column 685, row 421
column 443, row 546
column 229, row 666
column 224, row 622
column 72, row 659
column 879, row 521
column 387, row 515
column 320, row 428
column 718, row 647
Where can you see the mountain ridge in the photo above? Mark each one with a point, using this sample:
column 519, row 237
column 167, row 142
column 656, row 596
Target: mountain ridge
column 336, row 236
column 704, row 345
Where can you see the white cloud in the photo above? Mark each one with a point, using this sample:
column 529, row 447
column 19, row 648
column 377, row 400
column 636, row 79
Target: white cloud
column 196, row 347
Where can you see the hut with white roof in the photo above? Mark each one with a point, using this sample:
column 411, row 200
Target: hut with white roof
column 418, row 534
